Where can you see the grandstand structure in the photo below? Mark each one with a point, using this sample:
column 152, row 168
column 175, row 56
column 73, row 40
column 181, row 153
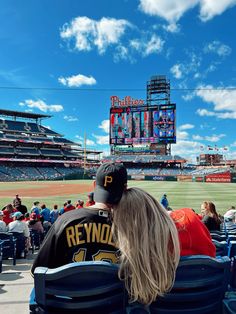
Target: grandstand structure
column 31, row 151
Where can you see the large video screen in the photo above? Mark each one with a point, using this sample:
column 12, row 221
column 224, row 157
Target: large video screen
column 142, row 124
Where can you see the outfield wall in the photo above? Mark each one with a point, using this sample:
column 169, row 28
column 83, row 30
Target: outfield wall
column 225, row 177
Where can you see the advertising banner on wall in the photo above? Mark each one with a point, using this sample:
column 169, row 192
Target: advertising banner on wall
column 185, row 178
column 219, row 177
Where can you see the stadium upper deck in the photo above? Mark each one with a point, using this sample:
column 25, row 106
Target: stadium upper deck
column 26, row 143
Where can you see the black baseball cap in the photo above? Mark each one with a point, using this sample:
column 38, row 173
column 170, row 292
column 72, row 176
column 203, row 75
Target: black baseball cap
column 111, row 180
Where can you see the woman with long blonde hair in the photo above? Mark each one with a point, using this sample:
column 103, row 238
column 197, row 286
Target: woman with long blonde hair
column 149, row 245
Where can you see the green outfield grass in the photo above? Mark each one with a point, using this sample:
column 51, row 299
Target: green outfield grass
column 180, row 194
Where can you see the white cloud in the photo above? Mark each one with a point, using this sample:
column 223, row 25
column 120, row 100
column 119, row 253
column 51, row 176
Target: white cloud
column 186, row 126
column 147, row 46
column 173, row 10
column 105, row 126
column 211, row 8
column 222, row 98
column 186, row 148
column 87, row 33
column 101, row 139
column 213, row 138
column 172, row 28
column 181, row 135
column 170, row 10
column 218, row 48
column 77, row 80
column 41, row 105
column 176, row 70
column 220, row 115
column 70, row 118
column 88, row 141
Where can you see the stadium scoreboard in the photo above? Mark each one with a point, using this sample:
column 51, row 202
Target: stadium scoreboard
column 142, row 124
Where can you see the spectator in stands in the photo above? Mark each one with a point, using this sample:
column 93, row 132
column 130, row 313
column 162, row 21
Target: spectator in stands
column 82, row 234
column 16, row 201
column 8, row 211
column 35, row 208
column 164, row 201
column 210, row 216
column 54, row 214
column 35, row 224
column 68, row 206
column 80, row 204
column 3, row 226
column 45, row 213
column 27, row 217
column 90, row 201
column 148, row 243
column 194, row 237
column 21, row 208
column 230, row 215
column 62, row 211
column 19, row 226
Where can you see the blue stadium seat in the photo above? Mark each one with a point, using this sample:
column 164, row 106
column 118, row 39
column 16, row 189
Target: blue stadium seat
column 8, row 246
column 200, row 286
column 86, row 287
column 222, row 248
column 218, row 237
column 20, row 244
column 229, row 306
column 1, row 248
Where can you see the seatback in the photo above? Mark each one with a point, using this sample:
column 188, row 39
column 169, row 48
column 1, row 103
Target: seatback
column 85, row 287
column 221, row 248
column 20, row 243
column 8, row 246
column 199, row 287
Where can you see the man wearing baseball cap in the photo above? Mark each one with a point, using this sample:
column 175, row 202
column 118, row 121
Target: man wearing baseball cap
column 86, row 234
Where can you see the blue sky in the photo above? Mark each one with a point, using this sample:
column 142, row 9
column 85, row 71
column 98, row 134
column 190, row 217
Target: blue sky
column 83, row 52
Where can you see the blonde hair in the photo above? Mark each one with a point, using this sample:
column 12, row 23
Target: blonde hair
column 149, row 245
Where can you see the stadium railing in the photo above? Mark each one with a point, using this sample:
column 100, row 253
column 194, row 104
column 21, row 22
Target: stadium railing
column 94, row 287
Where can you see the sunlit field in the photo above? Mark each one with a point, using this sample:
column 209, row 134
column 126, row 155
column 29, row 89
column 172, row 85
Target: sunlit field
column 180, row 194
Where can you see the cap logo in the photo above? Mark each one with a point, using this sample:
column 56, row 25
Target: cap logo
column 108, row 179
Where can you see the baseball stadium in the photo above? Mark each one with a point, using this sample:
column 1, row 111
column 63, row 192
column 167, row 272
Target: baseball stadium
column 40, row 168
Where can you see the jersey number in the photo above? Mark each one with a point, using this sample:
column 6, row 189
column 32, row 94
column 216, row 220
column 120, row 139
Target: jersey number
column 101, row 255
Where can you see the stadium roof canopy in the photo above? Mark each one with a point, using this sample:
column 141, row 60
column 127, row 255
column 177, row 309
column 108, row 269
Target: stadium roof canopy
column 20, row 114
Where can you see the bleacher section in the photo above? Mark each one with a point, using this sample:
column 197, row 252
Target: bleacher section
column 31, row 151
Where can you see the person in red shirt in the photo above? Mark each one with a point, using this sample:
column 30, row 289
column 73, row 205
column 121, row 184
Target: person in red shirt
column 68, row 206
column 7, row 213
column 194, row 237
column 80, row 204
column 90, row 201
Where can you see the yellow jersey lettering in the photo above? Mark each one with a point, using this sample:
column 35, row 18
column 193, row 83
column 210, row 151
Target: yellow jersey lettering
column 96, row 232
column 105, row 233
column 108, row 179
column 80, row 255
column 88, row 228
column 78, row 234
column 70, row 236
column 105, row 256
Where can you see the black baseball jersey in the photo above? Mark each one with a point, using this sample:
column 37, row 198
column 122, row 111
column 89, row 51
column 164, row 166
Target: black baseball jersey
column 78, row 235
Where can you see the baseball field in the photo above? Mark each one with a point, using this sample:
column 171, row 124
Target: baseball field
column 180, row 194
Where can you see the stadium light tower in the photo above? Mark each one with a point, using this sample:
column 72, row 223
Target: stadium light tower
column 158, row 93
